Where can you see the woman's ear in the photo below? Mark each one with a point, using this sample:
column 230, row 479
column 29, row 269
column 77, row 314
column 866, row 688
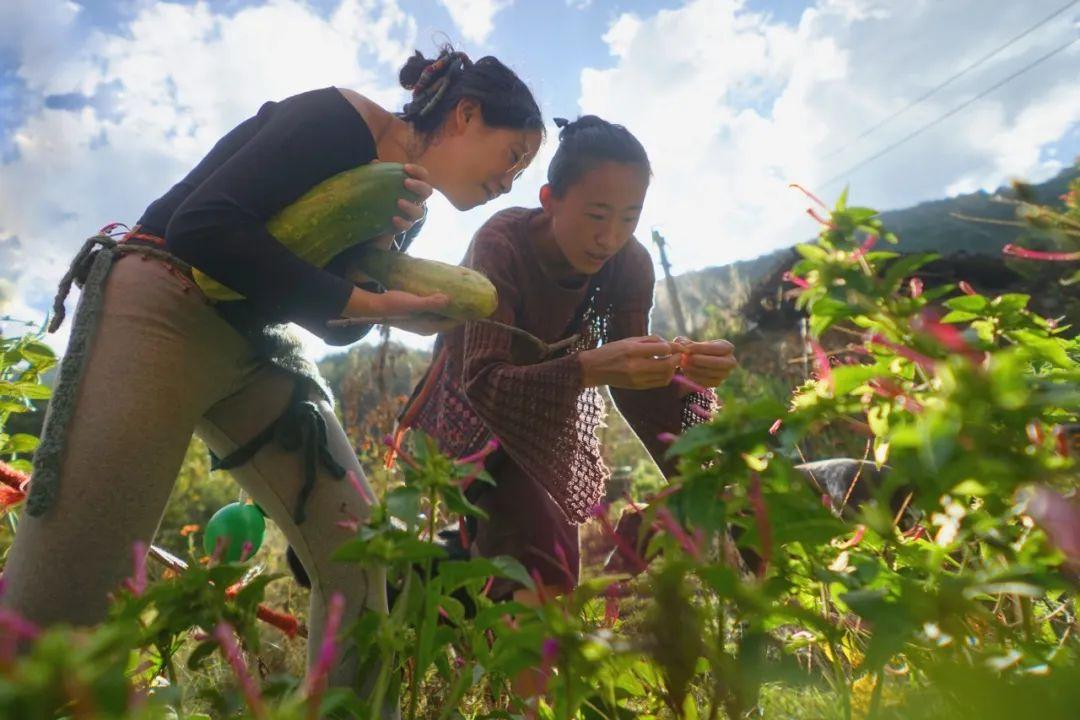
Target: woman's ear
column 467, row 111
column 546, row 197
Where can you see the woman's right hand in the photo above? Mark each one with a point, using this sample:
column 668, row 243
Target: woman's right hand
column 637, row 363
column 411, row 212
column 392, row 304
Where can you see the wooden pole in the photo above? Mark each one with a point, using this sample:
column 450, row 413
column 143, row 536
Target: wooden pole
column 673, row 292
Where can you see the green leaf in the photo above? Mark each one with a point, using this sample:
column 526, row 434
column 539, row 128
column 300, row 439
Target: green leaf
column 968, row 303
column 455, row 573
column 201, row 653
column 959, row 316
column 38, row 353
column 404, row 504
column 20, row 443
column 1048, row 348
column 1010, row 302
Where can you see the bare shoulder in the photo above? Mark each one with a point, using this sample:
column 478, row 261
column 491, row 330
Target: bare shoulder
column 374, row 114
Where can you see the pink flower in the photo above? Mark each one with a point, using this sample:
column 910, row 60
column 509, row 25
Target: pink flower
column 946, row 335
column 11, row 477
column 860, row 533
column 865, row 247
column 549, row 654
column 220, row 545
column 359, row 487
column 795, row 280
column 814, row 214
column 965, row 287
column 136, row 584
column 699, row 411
column 318, row 673
column 918, row 358
column 351, row 525
column 1040, row 255
column 491, row 446
column 391, row 443
column 761, row 519
column 667, row 438
column 564, row 565
column 687, row 384
column 1059, row 518
column 599, row 512
column 611, row 604
column 538, row 581
column 225, row 636
column 808, row 194
column 775, row 427
column 821, row 361
column 915, row 285
column 672, row 526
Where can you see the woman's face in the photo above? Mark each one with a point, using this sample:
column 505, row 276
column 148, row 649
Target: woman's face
column 471, row 163
column 598, row 214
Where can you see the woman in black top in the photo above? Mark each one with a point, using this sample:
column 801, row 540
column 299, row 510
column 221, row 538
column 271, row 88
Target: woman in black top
column 151, row 358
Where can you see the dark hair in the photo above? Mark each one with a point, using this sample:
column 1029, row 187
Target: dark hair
column 505, row 101
column 587, row 142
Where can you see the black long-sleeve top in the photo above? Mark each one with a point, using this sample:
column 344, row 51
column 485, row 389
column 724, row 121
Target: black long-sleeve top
column 215, row 218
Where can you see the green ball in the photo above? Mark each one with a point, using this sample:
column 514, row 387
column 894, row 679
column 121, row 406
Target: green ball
column 238, row 523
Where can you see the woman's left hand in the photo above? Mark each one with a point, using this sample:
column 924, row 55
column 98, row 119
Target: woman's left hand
column 706, row 363
column 411, row 212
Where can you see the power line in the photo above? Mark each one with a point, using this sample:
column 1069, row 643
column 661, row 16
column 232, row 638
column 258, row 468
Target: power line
column 919, row 100
column 950, row 113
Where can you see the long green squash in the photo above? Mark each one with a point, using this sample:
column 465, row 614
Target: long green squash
column 472, row 296
column 347, row 209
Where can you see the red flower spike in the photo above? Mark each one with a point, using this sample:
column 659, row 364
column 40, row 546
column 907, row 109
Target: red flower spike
column 328, row 650
column 225, row 636
column 761, row 519
column 821, row 361
column 814, row 214
column 865, row 247
column 15, row 479
column 808, row 194
column 136, row 584
column 860, row 533
column 1040, row 255
column 795, row 280
column 491, row 446
column 673, row 528
column 599, row 512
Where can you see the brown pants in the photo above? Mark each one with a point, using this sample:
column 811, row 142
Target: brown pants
column 162, row 364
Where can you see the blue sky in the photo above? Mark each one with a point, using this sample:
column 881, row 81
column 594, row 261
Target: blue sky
column 103, row 105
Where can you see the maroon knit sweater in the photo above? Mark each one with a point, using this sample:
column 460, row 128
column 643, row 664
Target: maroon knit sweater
column 484, row 382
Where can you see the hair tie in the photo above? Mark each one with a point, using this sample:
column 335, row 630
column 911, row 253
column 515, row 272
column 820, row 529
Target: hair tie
column 433, row 82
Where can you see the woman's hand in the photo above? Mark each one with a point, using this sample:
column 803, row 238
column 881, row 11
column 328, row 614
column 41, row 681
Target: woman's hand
column 635, row 363
column 392, row 304
column 706, row 363
column 411, row 212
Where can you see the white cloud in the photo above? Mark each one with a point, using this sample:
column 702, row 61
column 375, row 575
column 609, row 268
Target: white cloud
column 188, row 76
column 475, row 18
column 620, row 36
column 732, row 106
